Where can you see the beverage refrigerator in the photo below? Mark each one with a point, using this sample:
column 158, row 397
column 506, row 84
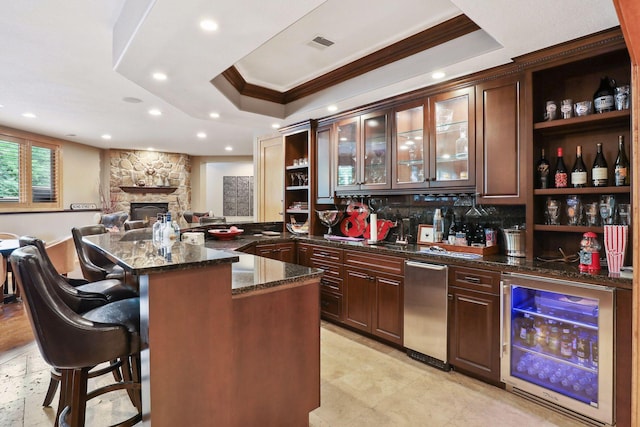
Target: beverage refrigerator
column 558, row 345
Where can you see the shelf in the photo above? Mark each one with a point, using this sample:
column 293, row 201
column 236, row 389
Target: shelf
column 297, row 187
column 297, row 167
column 410, row 162
column 568, row 228
column 584, row 190
column 165, row 190
column 298, row 211
column 584, row 123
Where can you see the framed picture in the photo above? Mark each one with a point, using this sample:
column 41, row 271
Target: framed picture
column 425, row 233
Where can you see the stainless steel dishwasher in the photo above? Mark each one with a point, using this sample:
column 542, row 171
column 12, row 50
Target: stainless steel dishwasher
column 425, row 312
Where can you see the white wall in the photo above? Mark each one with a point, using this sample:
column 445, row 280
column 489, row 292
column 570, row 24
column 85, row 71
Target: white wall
column 213, row 187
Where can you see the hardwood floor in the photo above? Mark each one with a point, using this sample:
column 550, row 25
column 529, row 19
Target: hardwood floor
column 15, row 329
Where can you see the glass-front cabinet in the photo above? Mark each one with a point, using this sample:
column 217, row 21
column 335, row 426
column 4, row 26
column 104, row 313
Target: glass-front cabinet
column 434, row 142
column 452, row 127
column 363, row 153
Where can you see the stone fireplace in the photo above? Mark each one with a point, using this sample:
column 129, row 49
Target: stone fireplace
column 166, row 177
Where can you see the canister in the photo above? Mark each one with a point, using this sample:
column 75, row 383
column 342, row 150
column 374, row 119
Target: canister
column 514, row 242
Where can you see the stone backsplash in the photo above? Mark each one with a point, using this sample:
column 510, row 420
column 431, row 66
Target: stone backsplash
column 153, row 169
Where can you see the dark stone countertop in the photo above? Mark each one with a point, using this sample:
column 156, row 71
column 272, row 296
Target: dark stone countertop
column 135, row 252
column 505, row 264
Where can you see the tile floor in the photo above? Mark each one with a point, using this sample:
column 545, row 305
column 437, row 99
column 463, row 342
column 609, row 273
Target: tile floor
column 363, row 382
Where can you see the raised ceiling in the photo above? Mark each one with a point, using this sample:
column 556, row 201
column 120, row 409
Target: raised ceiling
column 72, row 63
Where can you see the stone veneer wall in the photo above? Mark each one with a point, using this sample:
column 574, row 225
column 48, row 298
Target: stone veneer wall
column 127, row 168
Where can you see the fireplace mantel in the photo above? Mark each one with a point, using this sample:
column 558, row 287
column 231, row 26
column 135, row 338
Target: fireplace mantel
column 144, row 189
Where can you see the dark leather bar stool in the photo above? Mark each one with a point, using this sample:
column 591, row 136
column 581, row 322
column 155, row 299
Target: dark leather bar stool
column 94, row 265
column 81, row 296
column 75, row 344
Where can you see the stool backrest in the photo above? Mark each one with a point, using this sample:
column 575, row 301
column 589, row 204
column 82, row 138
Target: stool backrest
column 66, row 340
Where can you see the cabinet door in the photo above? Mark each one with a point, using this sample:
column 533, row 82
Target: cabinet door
column 323, row 167
column 388, row 308
column 474, row 341
column 357, row 299
column 500, row 170
column 451, row 139
column 376, row 158
column 286, row 252
column 347, row 152
column 410, row 157
column 304, row 254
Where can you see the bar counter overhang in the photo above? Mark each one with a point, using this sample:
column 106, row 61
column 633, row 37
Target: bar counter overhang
column 228, row 339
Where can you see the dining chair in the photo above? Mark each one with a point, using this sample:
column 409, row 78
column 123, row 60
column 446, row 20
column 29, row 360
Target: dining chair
column 4, row 268
column 75, row 344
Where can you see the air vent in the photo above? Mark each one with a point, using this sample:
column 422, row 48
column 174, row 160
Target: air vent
column 322, row 41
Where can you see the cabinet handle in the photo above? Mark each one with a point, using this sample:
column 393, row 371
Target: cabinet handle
column 450, row 296
column 324, row 303
column 472, row 279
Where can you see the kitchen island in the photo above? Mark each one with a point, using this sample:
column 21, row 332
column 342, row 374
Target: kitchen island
column 228, row 339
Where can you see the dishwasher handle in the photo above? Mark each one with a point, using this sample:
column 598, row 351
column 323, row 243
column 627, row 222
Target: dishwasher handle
column 425, row 265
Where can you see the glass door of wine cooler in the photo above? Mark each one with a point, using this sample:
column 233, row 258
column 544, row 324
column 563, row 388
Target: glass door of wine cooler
column 558, row 343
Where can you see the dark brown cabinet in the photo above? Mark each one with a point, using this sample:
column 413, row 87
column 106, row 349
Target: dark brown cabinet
column 329, row 260
column 373, row 294
column 474, row 322
column 285, row 252
column 500, row 160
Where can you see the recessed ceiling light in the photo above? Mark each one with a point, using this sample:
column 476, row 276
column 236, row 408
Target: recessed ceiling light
column 332, row 108
column 228, row 148
column 438, row 75
column 106, row 136
column 208, row 25
column 132, row 100
column 151, row 149
column 29, row 115
column 201, row 135
column 275, row 126
column 214, row 115
column 160, row 76
column 155, row 112
column 1, row 106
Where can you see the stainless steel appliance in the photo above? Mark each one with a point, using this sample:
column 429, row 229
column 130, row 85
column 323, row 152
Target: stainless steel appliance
column 425, row 312
column 558, row 345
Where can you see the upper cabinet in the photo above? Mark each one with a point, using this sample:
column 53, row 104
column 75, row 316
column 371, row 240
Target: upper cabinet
column 363, row 153
column 433, row 142
column 501, row 171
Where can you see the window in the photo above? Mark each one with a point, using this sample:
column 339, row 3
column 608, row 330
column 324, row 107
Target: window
column 29, row 174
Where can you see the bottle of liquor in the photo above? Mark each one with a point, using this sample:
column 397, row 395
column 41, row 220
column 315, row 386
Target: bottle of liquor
column 603, row 97
column 621, row 165
column 579, row 171
column 560, row 176
column 543, row 170
column 599, row 171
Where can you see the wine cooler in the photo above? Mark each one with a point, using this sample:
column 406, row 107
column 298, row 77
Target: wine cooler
column 557, row 345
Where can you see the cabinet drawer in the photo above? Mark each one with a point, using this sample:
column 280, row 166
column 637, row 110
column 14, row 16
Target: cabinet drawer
column 332, row 271
column 330, row 306
column 375, row 262
column 327, row 253
column 474, row 279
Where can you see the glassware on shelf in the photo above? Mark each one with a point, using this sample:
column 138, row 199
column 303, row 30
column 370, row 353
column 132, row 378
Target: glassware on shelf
column 607, row 209
column 574, row 210
column 624, row 213
column 552, row 211
column 444, row 116
column 592, row 211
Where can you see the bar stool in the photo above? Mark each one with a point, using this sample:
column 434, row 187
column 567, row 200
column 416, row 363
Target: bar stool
column 94, row 266
column 75, row 344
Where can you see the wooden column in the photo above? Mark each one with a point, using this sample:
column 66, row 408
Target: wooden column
column 629, row 16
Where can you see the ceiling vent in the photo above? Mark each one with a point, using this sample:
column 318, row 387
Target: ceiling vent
column 322, row 41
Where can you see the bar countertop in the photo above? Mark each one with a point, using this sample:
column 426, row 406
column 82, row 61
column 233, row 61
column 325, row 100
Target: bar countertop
column 136, row 253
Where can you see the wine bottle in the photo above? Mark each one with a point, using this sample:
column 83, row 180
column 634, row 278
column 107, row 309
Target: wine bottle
column 621, row 165
column 543, row 170
column 603, row 97
column 599, row 171
column 560, row 176
column 579, row 171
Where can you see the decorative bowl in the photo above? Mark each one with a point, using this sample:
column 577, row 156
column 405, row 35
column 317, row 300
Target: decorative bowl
column 298, row 228
column 226, row 234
